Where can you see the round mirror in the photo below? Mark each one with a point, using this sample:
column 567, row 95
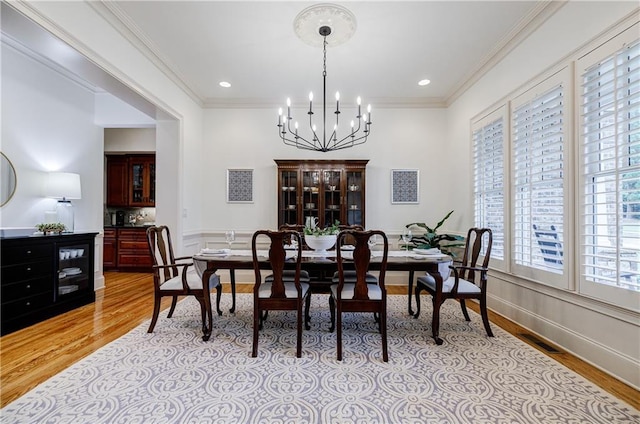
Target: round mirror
column 7, row 179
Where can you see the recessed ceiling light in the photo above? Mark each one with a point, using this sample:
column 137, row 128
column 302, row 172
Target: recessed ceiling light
column 424, row 82
column 225, row 84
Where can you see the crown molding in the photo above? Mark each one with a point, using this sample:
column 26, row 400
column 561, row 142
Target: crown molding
column 378, row 103
column 19, row 47
column 523, row 29
column 121, row 22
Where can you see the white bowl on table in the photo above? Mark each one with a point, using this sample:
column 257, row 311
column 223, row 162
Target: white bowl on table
column 320, row 243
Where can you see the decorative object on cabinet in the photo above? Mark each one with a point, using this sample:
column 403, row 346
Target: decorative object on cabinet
column 8, row 179
column 310, row 23
column 321, row 191
column 404, row 186
column 44, row 276
column 131, row 180
column 51, row 227
column 239, row 185
column 64, row 186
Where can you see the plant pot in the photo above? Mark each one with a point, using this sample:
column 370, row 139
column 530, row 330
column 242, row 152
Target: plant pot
column 320, row 243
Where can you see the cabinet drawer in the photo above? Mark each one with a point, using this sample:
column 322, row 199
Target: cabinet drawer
column 133, row 234
column 26, row 271
column 26, row 305
column 22, row 289
column 133, row 260
column 26, row 253
column 109, row 234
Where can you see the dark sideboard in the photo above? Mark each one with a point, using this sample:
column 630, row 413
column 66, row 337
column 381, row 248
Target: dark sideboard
column 43, row 276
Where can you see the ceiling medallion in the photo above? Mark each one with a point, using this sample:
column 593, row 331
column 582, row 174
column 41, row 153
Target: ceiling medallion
column 324, row 25
column 341, row 21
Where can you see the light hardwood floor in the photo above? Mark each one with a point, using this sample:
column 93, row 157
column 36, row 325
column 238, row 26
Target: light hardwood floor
column 34, row 354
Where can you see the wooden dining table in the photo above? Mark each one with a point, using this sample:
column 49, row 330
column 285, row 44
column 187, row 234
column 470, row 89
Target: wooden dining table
column 317, row 264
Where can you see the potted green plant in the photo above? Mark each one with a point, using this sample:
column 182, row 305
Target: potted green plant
column 51, row 227
column 430, row 238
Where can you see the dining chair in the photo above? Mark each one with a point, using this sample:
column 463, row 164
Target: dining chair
column 175, row 276
column 467, row 281
column 359, row 295
column 279, row 294
column 350, row 275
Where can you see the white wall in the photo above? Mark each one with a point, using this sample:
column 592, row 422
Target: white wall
column 47, row 125
column 129, row 140
column 400, row 139
column 604, row 335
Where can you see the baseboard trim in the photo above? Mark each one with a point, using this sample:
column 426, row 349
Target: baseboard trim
column 614, row 363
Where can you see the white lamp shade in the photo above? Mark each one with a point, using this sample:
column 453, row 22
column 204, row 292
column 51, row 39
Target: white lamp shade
column 63, row 185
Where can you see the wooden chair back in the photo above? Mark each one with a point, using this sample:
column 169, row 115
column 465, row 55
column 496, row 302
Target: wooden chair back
column 477, row 246
column 277, row 260
column 361, row 262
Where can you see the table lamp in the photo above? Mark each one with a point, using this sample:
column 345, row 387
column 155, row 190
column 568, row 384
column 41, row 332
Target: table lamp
column 64, row 186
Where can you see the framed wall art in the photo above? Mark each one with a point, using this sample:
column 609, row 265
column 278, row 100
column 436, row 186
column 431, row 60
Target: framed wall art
column 239, row 185
column 404, row 186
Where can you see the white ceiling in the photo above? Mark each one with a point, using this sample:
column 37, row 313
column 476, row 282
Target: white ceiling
column 253, row 46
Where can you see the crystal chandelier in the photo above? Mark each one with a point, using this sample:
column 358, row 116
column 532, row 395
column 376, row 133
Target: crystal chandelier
column 324, row 141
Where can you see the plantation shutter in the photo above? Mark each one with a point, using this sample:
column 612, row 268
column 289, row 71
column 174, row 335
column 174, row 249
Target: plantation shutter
column 538, row 181
column 488, row 159
column 610, row 156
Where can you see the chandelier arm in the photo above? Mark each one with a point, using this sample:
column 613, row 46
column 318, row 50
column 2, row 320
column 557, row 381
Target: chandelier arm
column 348, row 141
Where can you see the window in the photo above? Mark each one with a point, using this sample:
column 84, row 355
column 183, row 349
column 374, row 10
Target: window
column 610, row 160
column 538, row 144
column 488, row 158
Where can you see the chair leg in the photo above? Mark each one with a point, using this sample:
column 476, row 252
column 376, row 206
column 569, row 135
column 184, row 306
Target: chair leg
column 299, row 331
column 218, row 296
column 463, row 305
column 332, row 310
column 485, row 316
column 256, row 324
column 174, row 302
column 307, row 317
column 339, row 335
column 417, row 296
column 156, row 312
column 435, row 322
column 207, row 318
column 383, row 333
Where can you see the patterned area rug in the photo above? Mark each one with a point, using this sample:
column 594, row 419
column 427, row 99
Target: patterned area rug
column 172, row 376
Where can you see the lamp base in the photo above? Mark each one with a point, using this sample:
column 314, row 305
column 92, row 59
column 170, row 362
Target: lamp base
column 64, row 209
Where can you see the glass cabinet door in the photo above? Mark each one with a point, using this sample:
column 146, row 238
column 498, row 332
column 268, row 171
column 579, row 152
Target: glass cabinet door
column 355, row 198
column 73, row 270
column 310, row 196
column 332, row 200
column 142, row 180
column 288, row 198
column 137, row 182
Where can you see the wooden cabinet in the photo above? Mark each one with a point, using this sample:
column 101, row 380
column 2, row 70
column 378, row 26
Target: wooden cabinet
column 131, row 180
column 142, row 180
column 133, row 249
column 42, row 276
column 117, row 180
column 110, row 249
column 327, row 190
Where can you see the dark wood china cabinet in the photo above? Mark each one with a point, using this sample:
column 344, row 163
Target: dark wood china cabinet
column 327, row 190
